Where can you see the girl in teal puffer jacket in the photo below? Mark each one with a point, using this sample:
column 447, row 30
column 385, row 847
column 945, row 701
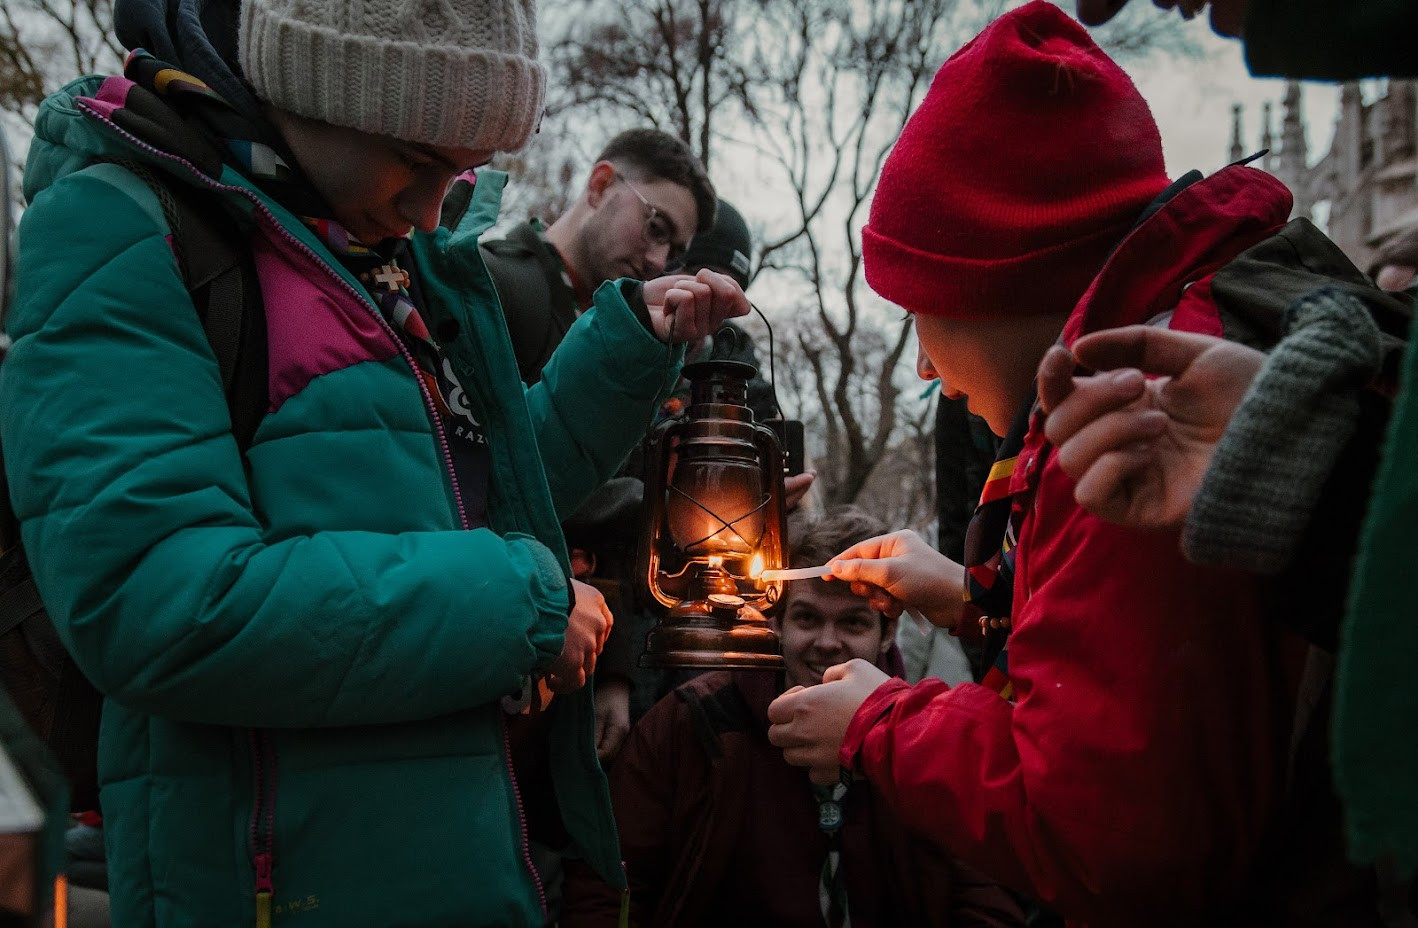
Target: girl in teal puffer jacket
column 305, row 644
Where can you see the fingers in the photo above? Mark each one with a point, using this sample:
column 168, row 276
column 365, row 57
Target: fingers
column 593, row 612
column 695, row 306
column 566, row 683
column 656, row 288
column 873, row 548
column 610, row 734
column 1108, row 488
column 838, row 671
column 1092, row 397
column 782, row 709
column 796, row 487
column 1114, row 431
column 608, row 622
column 1147, row 348
column 1055, row 377
column 877, row 598
column 1097, row 12
column 729, row 297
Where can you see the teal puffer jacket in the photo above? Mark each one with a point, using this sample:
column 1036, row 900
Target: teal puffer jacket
column 303, row 654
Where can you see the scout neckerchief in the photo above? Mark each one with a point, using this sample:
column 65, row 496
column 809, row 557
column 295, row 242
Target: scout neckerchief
column 396, row 294
column 832, row 882
column 250, row 143
column 989, row 554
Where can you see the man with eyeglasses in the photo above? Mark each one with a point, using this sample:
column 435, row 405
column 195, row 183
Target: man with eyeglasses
column 647, row 195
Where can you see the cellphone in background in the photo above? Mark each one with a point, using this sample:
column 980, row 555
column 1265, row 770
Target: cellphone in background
column 790, row 436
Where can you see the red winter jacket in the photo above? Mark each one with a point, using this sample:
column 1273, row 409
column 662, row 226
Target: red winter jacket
column 1137, row 773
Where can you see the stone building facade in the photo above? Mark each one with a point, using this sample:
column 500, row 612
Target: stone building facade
column 1365, row 187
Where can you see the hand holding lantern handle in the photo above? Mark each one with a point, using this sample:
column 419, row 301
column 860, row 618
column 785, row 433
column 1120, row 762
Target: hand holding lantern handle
column 684, row 308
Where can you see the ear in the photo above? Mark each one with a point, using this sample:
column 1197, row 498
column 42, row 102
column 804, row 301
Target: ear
column 888, row 636
column 602, row 176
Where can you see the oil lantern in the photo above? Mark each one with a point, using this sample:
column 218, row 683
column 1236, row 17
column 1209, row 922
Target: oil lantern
column 714, row 521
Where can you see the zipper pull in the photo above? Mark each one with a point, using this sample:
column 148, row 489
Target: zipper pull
column 264, row 890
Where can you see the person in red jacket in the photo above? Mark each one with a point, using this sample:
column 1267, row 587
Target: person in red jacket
column 1138, row 754
column 718, row 829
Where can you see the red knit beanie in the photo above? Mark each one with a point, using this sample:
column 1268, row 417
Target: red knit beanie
column 1027, row 161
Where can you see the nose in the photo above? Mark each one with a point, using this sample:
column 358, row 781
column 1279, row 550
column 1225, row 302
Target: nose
column 421, row 203
column 828, row 642
column 656, row 257
column 924, row 368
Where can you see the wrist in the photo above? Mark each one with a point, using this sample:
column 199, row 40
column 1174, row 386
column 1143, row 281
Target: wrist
column 946, row 611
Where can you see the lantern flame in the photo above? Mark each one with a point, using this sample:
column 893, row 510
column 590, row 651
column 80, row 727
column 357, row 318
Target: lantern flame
column 755, row 566
column 716, row 560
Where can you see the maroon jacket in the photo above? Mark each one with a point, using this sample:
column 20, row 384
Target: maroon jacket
column 716, row 828
column 1140, row 775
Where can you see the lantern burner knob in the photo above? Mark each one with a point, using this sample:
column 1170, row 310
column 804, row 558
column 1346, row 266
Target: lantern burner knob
column 725, row 605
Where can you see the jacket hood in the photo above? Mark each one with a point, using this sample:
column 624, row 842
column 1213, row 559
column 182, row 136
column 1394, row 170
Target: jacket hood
column 69, row 135
column 197, row 36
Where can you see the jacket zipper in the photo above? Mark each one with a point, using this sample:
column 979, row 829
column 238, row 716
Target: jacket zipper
column 262, row 824
column 522, row 819
column 262, row 837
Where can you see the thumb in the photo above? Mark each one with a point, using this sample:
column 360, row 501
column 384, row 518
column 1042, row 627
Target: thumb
column 837, row 672
column 867, row 569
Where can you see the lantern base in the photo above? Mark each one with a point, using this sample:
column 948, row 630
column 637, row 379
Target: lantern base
column 742, row 645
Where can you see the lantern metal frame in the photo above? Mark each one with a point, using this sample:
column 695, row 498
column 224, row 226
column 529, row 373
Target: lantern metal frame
column 713, row 606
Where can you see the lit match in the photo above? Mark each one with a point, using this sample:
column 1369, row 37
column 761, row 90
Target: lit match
column 797, row 573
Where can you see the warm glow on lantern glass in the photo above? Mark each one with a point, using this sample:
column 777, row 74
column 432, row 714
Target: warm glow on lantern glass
column 755, row 566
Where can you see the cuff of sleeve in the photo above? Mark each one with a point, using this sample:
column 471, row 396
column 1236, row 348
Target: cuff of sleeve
column 633, row 292
column 550, row 591
column 873, row 710
column 1283, row 440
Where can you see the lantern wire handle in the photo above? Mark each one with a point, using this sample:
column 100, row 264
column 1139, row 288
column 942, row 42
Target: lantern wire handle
column 772, row 373
column 727, row 331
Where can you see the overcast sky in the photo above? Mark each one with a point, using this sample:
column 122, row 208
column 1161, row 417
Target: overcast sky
column 1192, row 100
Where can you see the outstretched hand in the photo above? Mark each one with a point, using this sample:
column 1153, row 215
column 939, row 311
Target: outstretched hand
column 1137, row 447
column 810, row 723
column 900, row 570
column 684, row 308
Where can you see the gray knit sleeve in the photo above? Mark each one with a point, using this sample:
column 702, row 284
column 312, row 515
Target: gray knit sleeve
column 1261, row 487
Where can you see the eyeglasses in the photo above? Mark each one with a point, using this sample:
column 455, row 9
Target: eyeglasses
column 659, row 230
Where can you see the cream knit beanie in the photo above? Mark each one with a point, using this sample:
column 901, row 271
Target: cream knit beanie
column 458, row 73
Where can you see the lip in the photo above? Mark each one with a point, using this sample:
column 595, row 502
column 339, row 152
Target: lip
column 380, row 231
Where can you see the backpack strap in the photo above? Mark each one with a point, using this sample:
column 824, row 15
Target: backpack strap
column 19, row 598
column 214, row 261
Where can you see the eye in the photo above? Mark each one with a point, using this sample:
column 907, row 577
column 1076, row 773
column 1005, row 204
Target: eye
column 658, row 230
column 411, row 159
column 802, row 619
